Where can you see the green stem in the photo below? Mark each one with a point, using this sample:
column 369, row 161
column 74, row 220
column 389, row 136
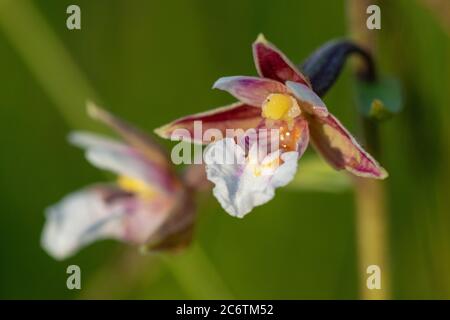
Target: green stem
column 371, row 224
column 371, row 208
column 197, row 275
column 47, row 59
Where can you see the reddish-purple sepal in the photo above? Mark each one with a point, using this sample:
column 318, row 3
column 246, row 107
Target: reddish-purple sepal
column 273, row 64
column 191, row 128
column 341, row 150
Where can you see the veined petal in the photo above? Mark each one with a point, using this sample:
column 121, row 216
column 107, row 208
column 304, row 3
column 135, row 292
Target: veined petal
column 131, row 135
column 100, row 212
column 243, row 185
column 308, row 98
column 108, row 154
column 273, row 64
column 341, row 150
column 191, row 128
column 250, row 90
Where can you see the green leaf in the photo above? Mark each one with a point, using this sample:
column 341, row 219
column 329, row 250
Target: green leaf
column 381, row 99
column 316, row 175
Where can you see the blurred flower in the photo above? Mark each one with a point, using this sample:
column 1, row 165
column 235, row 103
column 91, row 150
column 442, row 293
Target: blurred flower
column 281, row 98
column 148, row 204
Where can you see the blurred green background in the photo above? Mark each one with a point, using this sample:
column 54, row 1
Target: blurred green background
column 153, row 61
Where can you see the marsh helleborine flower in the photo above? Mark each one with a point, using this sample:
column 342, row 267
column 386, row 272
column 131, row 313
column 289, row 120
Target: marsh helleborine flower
column 281, row 98
column 147, row 205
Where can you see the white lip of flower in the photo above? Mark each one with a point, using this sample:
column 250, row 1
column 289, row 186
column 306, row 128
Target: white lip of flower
column 71, row 224
column 249, row 181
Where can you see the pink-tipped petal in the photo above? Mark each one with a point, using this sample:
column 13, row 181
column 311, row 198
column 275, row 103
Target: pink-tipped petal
column 340, row 149
column 308, row 98
column 250, row 90
column 191, row 128
column 273, row 64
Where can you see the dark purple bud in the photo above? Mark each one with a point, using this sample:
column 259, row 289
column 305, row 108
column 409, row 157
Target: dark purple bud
column 324, row 65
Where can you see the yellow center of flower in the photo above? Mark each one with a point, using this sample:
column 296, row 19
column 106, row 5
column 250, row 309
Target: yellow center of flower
column 280, row 106
column 135, row 186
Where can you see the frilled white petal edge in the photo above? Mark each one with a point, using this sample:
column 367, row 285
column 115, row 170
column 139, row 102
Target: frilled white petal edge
column 99, row 212
column 246, row 183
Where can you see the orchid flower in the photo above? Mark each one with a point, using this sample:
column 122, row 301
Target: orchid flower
column 148, row 204
column 280, row 98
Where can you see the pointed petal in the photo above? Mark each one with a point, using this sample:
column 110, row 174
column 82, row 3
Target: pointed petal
column 108, row 154
column 250, row 90
column 273, row 64
column 308, row 99
column 132, row 135
column 100, row 212
column 340, row 149
column 243, row 185
column 191, row 128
